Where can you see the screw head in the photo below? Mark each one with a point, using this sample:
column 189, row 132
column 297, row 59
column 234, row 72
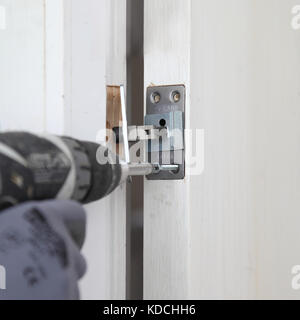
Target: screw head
column 156, row 97
column 176, row 96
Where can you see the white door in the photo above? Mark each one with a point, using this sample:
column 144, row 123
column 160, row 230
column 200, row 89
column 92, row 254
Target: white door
column 56, row 59
column 233, row 230
column 230, row 228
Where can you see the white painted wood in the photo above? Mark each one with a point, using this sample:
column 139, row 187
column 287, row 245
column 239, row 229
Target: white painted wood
column 22, row 85
column 56, row 58
column 54, row 66
column 31, row 50
column 116, row 210
column 95, row 56
column 2, row 17
column 245, row 94
column 231, row 232
column 166, row 215
column 276, row 153
column 84, row 58
column 222, row 252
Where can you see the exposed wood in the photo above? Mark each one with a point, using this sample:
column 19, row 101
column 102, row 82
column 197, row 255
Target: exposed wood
column 113, row 116
column 113, row 107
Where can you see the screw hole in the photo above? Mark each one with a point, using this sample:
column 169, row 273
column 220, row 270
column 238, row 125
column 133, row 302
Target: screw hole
column 162, row 122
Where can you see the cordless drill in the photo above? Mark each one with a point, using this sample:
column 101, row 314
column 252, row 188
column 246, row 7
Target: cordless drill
column 39, row 167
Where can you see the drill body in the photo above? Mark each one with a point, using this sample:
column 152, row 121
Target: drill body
column 39, row 167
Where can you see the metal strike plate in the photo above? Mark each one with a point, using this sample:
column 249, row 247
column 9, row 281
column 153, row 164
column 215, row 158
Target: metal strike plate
column 165, row 109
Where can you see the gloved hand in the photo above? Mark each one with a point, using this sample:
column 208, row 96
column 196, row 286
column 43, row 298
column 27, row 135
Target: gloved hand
column 40, row 246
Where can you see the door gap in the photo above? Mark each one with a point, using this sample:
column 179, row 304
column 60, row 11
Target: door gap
column 135, row 115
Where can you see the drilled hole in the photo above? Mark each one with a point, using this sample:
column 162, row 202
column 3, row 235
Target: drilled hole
column 162, row 122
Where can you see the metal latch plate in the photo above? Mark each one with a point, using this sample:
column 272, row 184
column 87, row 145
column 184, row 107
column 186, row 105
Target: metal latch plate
column 165, row 108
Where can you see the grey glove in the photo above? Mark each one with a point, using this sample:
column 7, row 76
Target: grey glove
column 40, row 246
